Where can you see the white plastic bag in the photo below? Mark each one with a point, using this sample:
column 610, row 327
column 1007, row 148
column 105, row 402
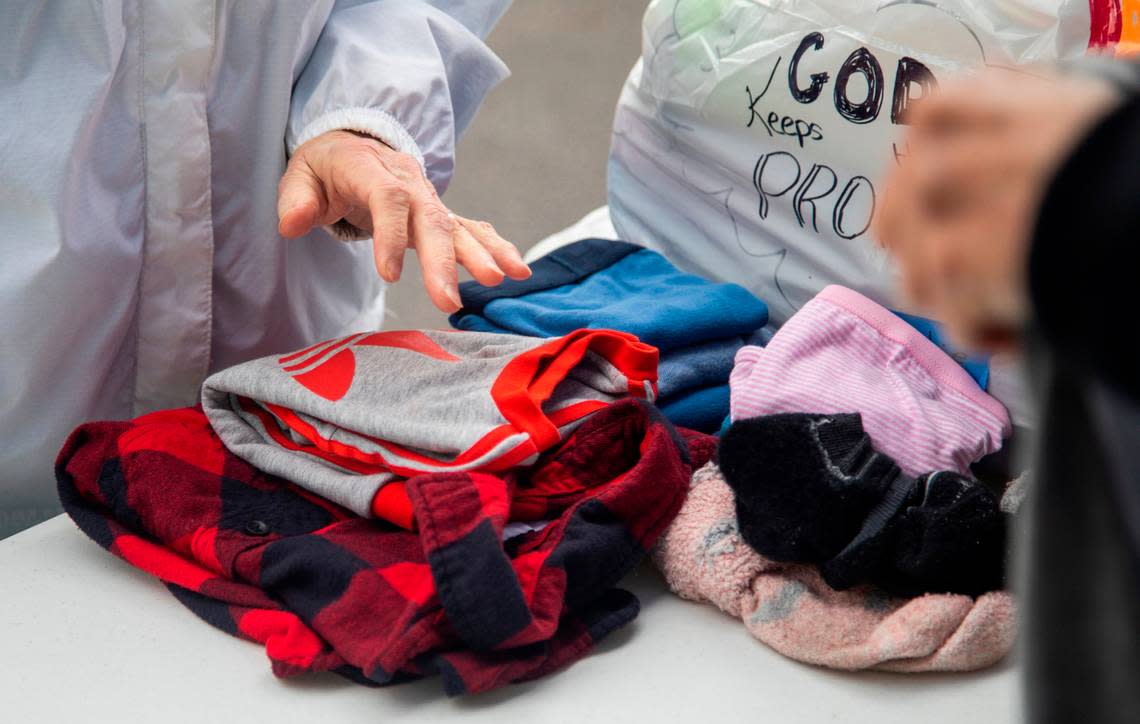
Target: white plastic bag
column 751, row 138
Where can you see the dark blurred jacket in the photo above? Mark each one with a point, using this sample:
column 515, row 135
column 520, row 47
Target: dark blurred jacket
column 1082, row 545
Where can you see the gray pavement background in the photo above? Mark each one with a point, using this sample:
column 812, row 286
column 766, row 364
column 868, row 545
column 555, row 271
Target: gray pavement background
column 534, row 159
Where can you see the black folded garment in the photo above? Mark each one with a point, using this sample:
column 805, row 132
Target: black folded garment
column 812, row 489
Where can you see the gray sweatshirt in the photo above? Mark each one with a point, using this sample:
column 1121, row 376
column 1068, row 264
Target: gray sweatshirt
column 345, row 417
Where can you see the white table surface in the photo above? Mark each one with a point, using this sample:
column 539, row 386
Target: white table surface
column 85, row 637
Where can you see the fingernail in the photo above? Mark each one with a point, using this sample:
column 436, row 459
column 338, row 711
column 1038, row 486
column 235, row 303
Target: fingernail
column 453, row 294
column 394, row 268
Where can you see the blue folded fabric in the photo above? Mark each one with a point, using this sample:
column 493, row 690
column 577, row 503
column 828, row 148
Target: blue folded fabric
column 696, row 366
column 569, row 264
column 697, row 325
column 700, row 409
column 582, row 286
column 725, row 425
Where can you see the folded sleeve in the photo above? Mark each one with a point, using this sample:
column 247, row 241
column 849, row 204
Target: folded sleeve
column 411, row 73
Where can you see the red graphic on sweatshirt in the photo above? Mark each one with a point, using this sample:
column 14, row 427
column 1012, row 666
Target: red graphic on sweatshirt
column 327, row 369
column 332, row 378
column 414, row 341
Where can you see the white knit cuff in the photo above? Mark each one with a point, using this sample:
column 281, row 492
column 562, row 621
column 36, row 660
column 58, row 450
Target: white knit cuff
column 379, row 124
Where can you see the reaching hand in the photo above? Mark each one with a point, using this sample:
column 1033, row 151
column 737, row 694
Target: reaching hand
column 346, row 175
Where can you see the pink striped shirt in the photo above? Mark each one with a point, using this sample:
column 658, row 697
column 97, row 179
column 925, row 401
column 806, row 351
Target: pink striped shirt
column 844, row 353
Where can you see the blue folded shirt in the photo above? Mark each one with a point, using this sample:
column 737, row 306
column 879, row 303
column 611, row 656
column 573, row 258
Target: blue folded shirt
column 697, row 325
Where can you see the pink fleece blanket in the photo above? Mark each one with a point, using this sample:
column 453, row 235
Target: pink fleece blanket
column 791, row 609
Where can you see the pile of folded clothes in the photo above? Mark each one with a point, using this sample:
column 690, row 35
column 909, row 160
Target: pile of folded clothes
column 464, row 504
column 789, row 606
column 697, row 325
column 841, row 521
column 501, row 563
column 352, row 418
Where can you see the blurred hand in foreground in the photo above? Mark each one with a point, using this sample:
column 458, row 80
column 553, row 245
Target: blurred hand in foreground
column 960, row 207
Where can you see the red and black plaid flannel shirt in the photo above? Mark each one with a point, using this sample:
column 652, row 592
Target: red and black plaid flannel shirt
column 323, row 589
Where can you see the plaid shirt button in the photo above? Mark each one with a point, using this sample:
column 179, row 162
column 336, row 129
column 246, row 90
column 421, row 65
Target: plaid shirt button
column 257, row 527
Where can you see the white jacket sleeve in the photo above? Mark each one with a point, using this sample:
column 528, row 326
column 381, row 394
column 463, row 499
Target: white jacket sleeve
column 411, row 73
